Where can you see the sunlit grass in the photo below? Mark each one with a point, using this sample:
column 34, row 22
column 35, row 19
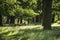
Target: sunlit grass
column 28, row 33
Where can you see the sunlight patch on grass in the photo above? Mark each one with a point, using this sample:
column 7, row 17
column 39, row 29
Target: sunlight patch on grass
column 31, row 27
column 55, row 24
column 28, row 33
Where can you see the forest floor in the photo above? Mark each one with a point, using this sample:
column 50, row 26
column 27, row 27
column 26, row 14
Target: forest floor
column 30, row 32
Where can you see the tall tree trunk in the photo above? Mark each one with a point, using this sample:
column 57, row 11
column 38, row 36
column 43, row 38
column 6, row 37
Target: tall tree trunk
column 12, row 19
column 1, row 20
column 47, row 17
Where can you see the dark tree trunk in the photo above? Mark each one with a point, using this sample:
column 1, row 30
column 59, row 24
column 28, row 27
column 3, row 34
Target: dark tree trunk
column 28, row 21
column 7, row 21
column 47, row 17
column 58, row 17
column 41, row 18
column 20, row 19
column 12, row 19
column 53, row 17
column 37, row 18
column 32, row 20
column 1, row 20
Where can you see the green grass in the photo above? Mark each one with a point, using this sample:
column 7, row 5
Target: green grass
column 29, row 33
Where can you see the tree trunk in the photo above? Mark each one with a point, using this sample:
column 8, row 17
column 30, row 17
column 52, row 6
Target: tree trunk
column 53, row 17
column 58, row 17
column 7, row 21
column 28, row 21
column 12, row 19
column 32, row 20
column 20, row 19
column 1, row 20
column 37, row 18
column 47, row 15
column 41, row 18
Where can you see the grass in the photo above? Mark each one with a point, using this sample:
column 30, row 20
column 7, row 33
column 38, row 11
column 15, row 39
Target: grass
column 29, row 33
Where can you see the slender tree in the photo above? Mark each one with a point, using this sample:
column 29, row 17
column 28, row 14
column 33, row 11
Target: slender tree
column 21, row 18
column 1, row 20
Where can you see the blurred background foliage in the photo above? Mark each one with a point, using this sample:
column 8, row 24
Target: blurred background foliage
column 25, row 12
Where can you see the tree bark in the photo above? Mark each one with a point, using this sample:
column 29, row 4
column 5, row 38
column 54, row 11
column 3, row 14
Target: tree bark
column 1, row 20
column 47, row 15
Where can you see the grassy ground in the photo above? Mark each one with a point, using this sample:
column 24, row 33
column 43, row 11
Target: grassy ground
column 29, row 33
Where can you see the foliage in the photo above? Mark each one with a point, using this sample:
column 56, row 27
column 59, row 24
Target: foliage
column 14, row 7
column 56, row 5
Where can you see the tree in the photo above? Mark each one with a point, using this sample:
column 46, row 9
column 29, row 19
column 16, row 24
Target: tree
column 39, row 10
column 9, row 10
column 28, row 8
column 1, row 11
column 47, row 13
column 1, row 20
